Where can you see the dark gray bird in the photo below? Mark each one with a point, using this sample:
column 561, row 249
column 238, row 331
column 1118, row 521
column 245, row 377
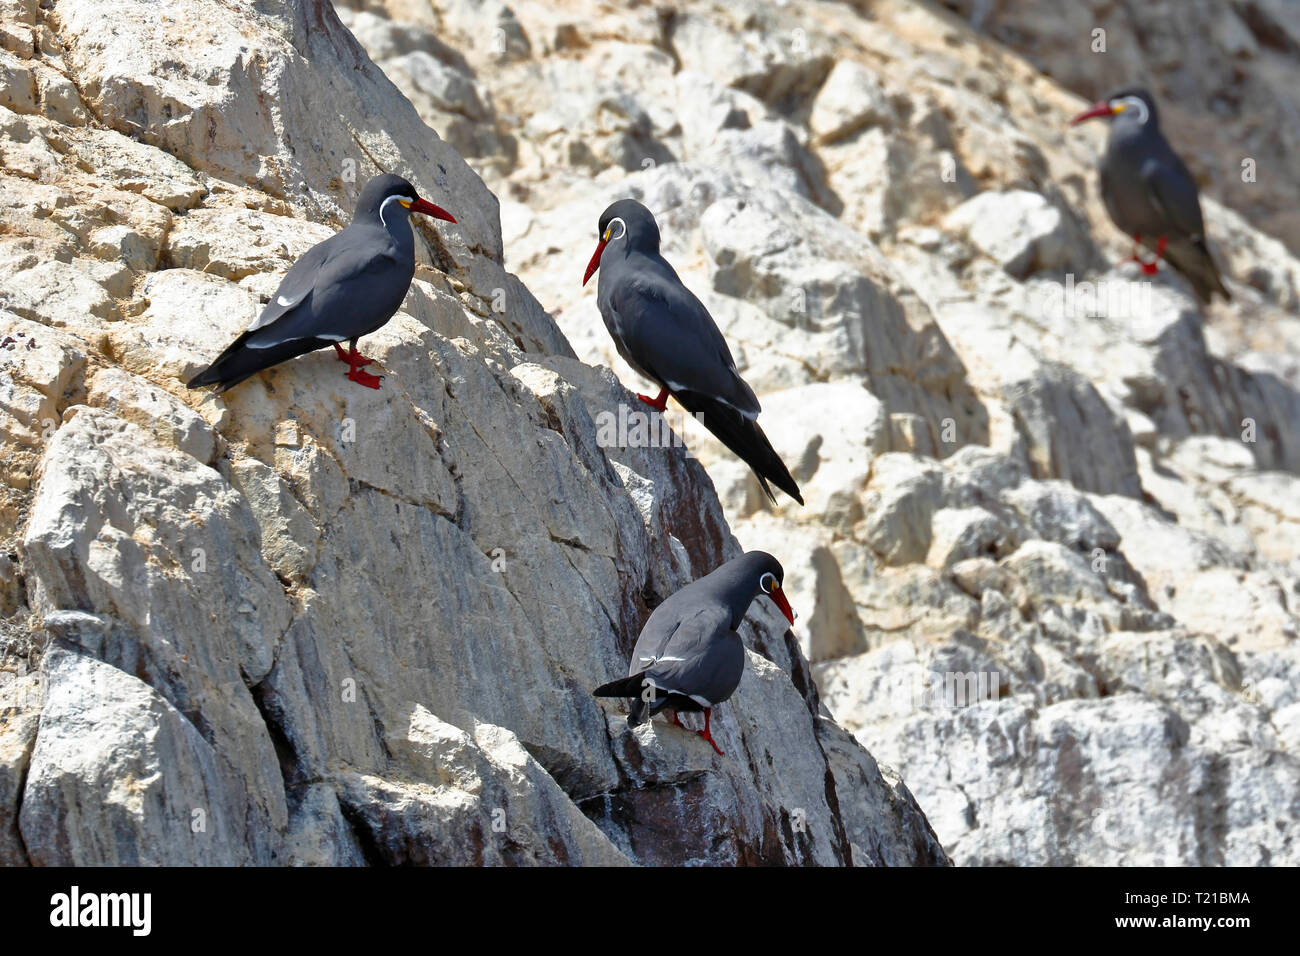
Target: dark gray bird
column 667, row 335
column 689, row 656
column 341, row 289
column 1150, row 193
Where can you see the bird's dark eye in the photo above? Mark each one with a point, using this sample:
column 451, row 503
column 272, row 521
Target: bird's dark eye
column 767, row 582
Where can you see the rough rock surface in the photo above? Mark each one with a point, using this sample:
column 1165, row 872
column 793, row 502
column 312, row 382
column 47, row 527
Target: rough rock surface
column 307, row 622
column 1019, row 462
column 1225, row 72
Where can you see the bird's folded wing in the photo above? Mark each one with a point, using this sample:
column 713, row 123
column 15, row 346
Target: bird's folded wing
column 295, row 286
column 689, row 663
column 672, row 335
column 1173, row 190
column 335, row 292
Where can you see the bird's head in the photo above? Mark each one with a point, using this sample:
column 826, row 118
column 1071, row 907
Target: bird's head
column 627, row 222
column 770, row 578
column 1129, row 102
column 387, row 194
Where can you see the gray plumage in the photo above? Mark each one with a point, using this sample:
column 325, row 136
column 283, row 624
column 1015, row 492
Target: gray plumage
column 341, row 289
column 689, row 656
column 667, row 336
column 1149, row 192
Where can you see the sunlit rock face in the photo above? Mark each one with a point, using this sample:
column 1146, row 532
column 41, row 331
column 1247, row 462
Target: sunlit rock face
column 1018, row 459
column 305, row 622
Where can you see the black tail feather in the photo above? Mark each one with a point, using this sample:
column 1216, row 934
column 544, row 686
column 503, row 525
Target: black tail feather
column 629, row 687
column 623, row 687
column 745, row 438
column 640, row 709
column 1193, row 261
column 238, row 361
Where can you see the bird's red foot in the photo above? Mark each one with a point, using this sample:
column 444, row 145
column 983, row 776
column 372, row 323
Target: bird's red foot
column 708, row 736
column 1148, row 268
column 677, row 720
column 352, row 358
column 363, row 378
column 712, row 743
column 1152, row 267
column 658, row 404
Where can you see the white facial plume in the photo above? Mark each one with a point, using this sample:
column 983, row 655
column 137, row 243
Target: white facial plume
column 1127, row 104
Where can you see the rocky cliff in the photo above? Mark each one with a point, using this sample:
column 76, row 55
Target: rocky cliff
column 1050, row 560
column 1224, row 69
column 1023, row 466
column 307, row 622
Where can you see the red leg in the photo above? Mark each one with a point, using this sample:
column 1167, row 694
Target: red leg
column 1152, row 267
column 352, row 358
column 708, row 736
column 658, row 404
column 1148, row 268
column 355, row 361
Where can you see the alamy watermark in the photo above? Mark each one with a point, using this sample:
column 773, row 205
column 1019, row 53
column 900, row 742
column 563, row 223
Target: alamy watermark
column 641, row 427
column 1092, row 300
column 941, row 690
column 126, row 910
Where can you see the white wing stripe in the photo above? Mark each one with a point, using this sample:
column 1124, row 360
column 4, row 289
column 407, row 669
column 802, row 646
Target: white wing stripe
column 702, row 701
column 678, row 387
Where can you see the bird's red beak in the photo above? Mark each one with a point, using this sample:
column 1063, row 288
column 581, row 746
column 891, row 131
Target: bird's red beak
column 594, row 264
column 778, row 598
column 1092, row 112
column 429, row 209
